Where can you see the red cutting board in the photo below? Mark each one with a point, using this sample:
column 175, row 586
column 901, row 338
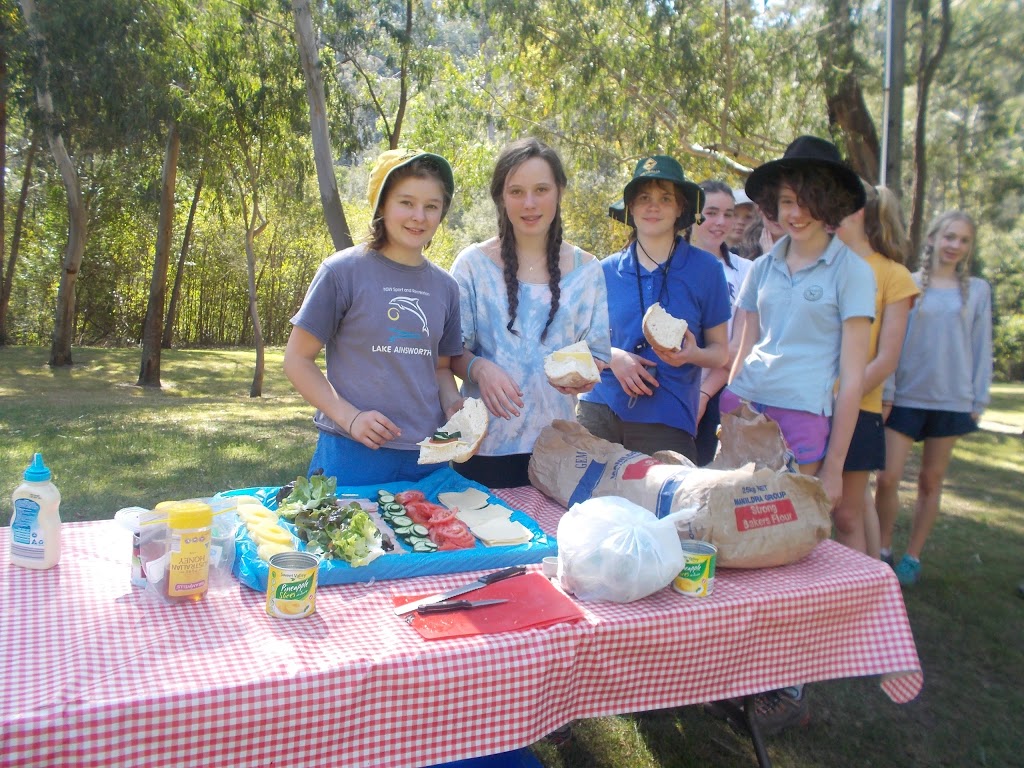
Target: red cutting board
column 533, row 601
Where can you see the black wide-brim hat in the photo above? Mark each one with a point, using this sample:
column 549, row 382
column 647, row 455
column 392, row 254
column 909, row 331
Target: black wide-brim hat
column 805, row 152
column 667, row 169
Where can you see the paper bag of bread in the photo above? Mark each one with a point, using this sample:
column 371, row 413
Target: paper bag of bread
column 756, row 517
column 459, row 438
column 662, row 329
column 572, row 366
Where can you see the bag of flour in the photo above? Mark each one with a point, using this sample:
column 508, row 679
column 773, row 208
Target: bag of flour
column 756, row 517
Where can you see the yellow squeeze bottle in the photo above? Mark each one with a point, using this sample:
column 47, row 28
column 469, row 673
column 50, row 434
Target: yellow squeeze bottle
column 35, row 524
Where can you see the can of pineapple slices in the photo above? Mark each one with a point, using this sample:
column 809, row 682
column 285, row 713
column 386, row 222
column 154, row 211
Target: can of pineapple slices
column 291, row 585
column 697, row 579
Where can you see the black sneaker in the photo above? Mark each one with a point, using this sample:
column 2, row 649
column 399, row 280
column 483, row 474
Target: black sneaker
column 887, row 559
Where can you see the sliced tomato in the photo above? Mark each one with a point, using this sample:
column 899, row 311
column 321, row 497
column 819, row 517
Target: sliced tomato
column 418, row 512
column 405, row 497
column 452, row 535
column 441, row 515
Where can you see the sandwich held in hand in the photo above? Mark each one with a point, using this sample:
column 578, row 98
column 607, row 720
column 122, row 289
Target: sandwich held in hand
column 662, row 329
column 458, row 439
column 572, row 366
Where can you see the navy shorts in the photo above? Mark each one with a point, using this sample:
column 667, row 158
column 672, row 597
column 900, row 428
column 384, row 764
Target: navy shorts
column 921, row 423
column 867, row 446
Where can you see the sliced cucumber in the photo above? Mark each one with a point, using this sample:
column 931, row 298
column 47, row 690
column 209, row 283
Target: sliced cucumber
column 404, row 530
column 420, row 530
column 383, row 497
column 402, row 521
column 423, row 546
column 394, row 508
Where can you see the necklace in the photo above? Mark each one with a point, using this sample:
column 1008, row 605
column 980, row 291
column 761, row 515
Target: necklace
column 657, row 264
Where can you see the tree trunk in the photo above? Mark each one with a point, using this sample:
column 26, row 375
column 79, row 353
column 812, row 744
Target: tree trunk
column 12, row 258
column 330, row 199
column 64, row 316
column 186, row 240
column 927, row 67
column 4, row 290
column 847, row 110
column 152, row 330
column 403, row 78
column 256, row 390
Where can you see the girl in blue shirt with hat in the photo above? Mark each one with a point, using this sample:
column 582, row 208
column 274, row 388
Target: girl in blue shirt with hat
column 647, row 399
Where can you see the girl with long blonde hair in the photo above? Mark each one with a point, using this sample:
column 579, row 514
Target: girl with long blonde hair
column 942, row 382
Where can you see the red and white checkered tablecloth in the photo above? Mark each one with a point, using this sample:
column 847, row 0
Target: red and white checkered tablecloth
column 96, row 675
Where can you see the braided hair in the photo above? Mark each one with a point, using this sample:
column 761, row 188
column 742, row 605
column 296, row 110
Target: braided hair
column 511, row 157
column 963, row 267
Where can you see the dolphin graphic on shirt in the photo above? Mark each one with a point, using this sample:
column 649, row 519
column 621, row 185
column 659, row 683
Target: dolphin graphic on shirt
column 405, row 304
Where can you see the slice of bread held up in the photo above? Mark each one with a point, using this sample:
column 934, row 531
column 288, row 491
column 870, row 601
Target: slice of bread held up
column 459, row 438
column 662, row 329
column 572, row 366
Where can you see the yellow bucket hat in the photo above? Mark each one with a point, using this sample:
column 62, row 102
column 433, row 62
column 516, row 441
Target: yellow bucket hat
column 396, row 158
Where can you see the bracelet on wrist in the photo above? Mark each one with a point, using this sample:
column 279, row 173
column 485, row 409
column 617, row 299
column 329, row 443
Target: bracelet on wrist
column 469, row 370
column 706, row 394
column 353, row 422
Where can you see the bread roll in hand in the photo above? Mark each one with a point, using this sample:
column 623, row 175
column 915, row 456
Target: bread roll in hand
column 572, row 367
column 662, row 330
column 459, row 438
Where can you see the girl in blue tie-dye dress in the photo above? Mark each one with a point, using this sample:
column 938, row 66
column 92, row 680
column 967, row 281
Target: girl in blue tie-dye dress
column 524, row 294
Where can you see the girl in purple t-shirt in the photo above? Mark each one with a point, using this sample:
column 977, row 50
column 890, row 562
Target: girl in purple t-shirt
column 389, row 321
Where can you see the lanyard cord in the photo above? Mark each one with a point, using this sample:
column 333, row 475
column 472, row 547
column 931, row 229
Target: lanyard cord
column 663, row 268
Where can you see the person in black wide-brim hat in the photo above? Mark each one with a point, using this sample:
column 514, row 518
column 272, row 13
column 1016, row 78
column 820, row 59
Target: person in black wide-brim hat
column 648, row 398
column 807, row 306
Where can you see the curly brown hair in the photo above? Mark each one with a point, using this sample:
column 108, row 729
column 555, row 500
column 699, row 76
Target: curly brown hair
column 817, row 190
column 420, row 168
column 511, row 157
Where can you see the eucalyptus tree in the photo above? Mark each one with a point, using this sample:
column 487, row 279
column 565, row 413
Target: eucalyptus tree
column 95, row 94
column 253, row 94
column 719, row 82
column 312, row 70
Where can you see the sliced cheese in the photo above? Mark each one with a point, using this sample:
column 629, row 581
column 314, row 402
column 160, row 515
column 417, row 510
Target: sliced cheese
column 502, row 532
column 474, row 517
column 471, row 498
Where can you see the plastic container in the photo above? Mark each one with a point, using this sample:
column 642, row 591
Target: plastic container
column 35, row 523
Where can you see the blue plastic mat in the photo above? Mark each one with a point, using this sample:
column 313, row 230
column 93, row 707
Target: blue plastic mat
column 519, row 758
column 252, row 571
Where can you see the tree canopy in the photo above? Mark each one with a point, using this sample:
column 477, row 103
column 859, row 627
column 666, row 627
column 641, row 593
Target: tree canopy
column 721, row 85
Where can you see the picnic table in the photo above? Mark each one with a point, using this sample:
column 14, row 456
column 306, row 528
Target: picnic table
column 97, row 676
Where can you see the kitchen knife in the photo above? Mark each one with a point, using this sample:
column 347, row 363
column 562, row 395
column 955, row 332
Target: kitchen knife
column 483, row 581
column 456, row 605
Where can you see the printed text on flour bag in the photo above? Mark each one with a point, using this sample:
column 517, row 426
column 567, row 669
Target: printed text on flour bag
column 759, row 508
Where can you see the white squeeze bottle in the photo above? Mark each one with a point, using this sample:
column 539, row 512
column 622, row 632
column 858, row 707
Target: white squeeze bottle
column 35, row 524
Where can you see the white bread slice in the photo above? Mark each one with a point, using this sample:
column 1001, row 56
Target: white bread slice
column 471, row 421
column 572, row 366
column 662, row 329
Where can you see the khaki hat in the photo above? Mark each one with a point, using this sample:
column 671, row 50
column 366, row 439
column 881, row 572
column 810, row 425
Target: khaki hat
column 396, row 158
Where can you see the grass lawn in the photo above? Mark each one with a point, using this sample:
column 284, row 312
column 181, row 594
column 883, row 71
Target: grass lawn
column 111, row 444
